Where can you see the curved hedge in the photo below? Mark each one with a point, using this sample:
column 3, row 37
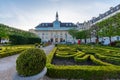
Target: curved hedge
column 80, row 72
column 99, row 62
column 84, row 58
column 66, row 55
column 109, row 59
column 9, row 53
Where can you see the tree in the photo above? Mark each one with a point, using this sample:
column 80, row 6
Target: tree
column 95, row 31
column 3, row 33
column 109, row 27
column 82, row 34
column 17, row 36
column 73, row 33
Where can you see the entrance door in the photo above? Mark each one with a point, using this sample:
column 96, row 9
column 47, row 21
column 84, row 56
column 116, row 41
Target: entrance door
column 61, row 39
column 56, row 39
column 51, row 40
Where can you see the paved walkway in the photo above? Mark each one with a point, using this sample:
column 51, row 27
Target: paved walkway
column 8, row 64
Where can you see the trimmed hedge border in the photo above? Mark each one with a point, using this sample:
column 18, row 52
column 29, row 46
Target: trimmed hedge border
column 5, row 54
column 97, row 61
column 84, row 58
column 109, row 59
column 67, row 55
column 81, row 72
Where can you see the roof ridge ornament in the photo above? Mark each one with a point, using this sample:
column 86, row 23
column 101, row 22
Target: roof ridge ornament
column 57, row 16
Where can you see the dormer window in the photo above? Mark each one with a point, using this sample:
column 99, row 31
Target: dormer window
column 111, row 10
column 106, row 13
column 46, row 24
column 66, row 24
column 42, row 24
column 117, row 7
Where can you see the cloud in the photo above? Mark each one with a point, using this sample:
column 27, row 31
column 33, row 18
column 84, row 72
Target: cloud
column 26, row 16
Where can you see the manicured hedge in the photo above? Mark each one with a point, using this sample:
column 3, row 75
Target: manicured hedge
column 99, row 62
column 81, row 72
column 12, row 50
column 66, row 55
column 109, row 59
column 84, row 58
column 9, row 53
column 18, row 40
column 31, row 62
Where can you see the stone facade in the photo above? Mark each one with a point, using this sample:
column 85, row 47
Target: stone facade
column 54, row 36
column 55, row 32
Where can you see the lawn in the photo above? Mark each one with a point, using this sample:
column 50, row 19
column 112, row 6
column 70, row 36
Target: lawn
column 84, row 62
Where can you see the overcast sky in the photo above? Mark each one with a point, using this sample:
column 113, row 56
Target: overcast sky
column 26, row 14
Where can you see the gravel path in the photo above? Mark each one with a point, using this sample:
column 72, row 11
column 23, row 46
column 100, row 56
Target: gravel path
column 7, row 65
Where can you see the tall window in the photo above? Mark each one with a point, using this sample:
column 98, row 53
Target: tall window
column 46, row 33
column 51, row 34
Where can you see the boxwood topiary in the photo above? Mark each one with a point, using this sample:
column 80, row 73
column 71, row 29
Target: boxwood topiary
column 30, row 62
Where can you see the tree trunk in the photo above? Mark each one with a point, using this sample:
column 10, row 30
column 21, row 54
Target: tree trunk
column 85, row 40
column 90, row 40
column 0, row 40
column 97, row 39
column 74, row 40
column 110, row 40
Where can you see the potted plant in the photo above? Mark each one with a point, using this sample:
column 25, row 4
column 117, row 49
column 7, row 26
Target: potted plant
column 30, row 65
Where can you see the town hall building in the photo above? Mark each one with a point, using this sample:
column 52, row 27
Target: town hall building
column 55, row 32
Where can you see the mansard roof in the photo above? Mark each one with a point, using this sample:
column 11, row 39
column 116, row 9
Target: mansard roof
column 56, row 25
column 107, row 13
column 67, row 25
column 46, row 25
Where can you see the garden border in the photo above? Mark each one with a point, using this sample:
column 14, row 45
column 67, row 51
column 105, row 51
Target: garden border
column 81, row 72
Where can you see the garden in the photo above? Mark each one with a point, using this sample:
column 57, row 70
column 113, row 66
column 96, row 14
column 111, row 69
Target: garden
column 12, row 50
column 84, row 62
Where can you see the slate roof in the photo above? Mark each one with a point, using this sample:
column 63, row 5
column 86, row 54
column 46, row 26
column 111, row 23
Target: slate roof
column 107, row 13
column 48, row 25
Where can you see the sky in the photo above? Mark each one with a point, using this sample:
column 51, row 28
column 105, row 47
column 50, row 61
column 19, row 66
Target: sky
column 27, row 14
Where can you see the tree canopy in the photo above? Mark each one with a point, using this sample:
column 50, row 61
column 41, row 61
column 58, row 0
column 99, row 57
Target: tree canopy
column 20, row 36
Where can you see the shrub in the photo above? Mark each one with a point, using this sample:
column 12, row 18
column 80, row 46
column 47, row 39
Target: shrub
column 36, row 44
column 20, row 39
column 81, row 54
column 84, row 58
column 81, row 72
column 117, row 45
column 66, row 55
column 56, row 45
column 31, row 62
column 112, row 43
column 109, row 59
column 0, row 48
column 99, row 62
column 9, row 53
column 78, row 48
column 89, row 52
